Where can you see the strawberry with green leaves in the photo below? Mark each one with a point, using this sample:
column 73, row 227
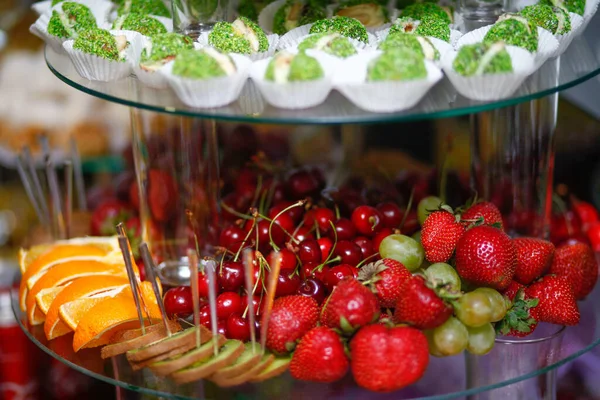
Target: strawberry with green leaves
column 386, row 359
column 350, row 306
column 557, row 303
column 440, row 234
column 512, row 290
column 319, row 357
column 486, row 256
column 291, row 318
column 520, row 319
column 387, row 279
column 420, row 306
column 485, row 212
column 533, row 258
column 577, row 263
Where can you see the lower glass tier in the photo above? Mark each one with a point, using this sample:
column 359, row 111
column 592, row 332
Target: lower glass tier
column 579, row 63
column 525, row 369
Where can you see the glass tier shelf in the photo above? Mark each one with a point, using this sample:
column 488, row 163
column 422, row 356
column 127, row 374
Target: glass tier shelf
column 578, row 64
column 446, row 378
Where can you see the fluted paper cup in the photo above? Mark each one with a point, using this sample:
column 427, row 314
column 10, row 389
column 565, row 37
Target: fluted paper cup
column 293, row 38
column 296, row 95
column 492, row 87
column 358, row 45
column 213, row 92
column 454, row 36
column 441, row 46
column 591, row 6
column 273, row 42
column 265, row 18
column 385, row 96
column 152, row 78
column 565, row 40
column 42, row 7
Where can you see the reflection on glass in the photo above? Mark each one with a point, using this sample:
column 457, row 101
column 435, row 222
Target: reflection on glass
column 192, row 17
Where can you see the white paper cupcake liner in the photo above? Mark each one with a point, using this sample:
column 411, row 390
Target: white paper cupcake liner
column 273, row 44
column 591, row 6
column 42, row 7
column 565, row 40
column 100, row 9
column 97, row 68
column 547, row 43
column 358, row 45
column 388, row 96
column 293, row 38
column 492, row 87
column 454, row 36
column 296, row 95
column 209, row 93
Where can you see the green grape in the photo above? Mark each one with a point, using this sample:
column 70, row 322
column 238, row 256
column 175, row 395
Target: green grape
column 444, row 274
column 417, row 236
column 425, row 205
column 474, row 309
column 481, row 339
column 433, row 349
column 498, row 303
column 403, row 249
column 451, row 337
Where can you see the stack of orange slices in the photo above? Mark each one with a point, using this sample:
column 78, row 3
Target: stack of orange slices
column 81, row 286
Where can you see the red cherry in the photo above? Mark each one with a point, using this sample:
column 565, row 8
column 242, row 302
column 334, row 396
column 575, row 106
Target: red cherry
column 314, row 288
column 586, row 212
column 336, row 274
column 178, row 301
column 344, row 230
column 564, row 226
column 203, row 285
column 325, row 244
column 222, row 327
column 309, row 270
column 309, row 251
column 232, row 238
column 324, row 217
column 287, row 257
column 302, row 233
column 367, row 220
column 287, row 284
column 231, row 276
column 295, row 212
column 205, row 315
column 302, row 184
column 385, row 232
column 286, row 222
column 593, row 235
column 257, row 304
column 238, row 327
column 262, row 227
column 245, row 184
column 391, row 213
column 349, row 252
column 366, row 245
column 228, row 303
column 411, row 224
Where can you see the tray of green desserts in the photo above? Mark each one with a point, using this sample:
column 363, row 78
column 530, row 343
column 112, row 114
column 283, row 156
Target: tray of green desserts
column 294, row 53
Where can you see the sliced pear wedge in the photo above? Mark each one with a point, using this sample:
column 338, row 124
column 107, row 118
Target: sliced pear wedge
column 167, row 344
column 112, row 350
column 244, row 377
column 276, row 368
column 231, row 350
column 244, row 362
column 168, row 366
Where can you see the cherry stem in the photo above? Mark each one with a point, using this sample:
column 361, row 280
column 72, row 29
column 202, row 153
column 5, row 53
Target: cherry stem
column 408, row 207
column 335, row 238
column 373, row 221
column 317, row 232
column 360, row 264
column 237, row 254
column 299, row 203
column 337, row 211
column 257, row 190
column 234, row 212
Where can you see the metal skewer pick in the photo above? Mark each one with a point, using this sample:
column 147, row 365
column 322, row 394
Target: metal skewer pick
column 69, row 197
column 28, row 185
column 249, row 273
column 269, row 298
column 37, row 186
column 209, row 270
column 79, row 182
column 151, row 275
column 193, row 262
column 124, row 245
column 57, row 213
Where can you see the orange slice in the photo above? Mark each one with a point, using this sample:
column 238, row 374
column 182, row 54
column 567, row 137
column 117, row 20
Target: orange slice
column 72, row 312
column 46, row 296
column 62, row 274
column 113, row 315
column 81, row 288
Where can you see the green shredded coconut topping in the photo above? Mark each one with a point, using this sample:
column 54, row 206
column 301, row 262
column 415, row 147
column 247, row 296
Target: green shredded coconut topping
column 198, row 64
column 574, row 6
column 144, row 24
column 345, row 26
column 513, row 31
column 299, row 67
column 331, row 43
column 419, row 44
column 166, row 46
column 242, row 36
column 432, row 27
column 398, row 64
column 421, row 10
column 481, row 58
column 152, row 7
column 73, row 19
column 98, row 42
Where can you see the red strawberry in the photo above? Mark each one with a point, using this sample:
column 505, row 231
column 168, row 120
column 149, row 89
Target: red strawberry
column 291, row 318
column 533, row 258
column 386, row 279
column 512, row 289
column 386, row 359
column 486, row 256
column 420, row 306
column 488, row 211
column 520, row 319
column 319, row 357
column 577, row 263
column 439, row 235
column 350, row 306
column 557, row 304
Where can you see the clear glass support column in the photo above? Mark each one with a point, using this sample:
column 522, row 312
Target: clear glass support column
column 177, row 168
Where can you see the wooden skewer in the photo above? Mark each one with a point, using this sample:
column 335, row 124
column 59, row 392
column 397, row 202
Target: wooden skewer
column 269, row 298
column 37, row 186
column 151, row 275
column 249, row 273
column 209, row 270
column 79, row 181
column 124, row 245
column 68, row 198
column 193, row 263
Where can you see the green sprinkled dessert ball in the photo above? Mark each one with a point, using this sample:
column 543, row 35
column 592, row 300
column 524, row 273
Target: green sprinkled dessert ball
column 541, row 15
column 144, row 24
column 286, row 67
column 428, row 26
column 514, row 30
column 481, row 59
column 101, row 43
column 369, row 13
column 574, row 6
column 399, row 64
column 203, row 64
column 420, row 10
column 163, row 48
column 296, row 13
column 332, row 43
column 345, row 26
column 419, row 44
column 73, row 19
column 242, row 36
column 152, row 7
